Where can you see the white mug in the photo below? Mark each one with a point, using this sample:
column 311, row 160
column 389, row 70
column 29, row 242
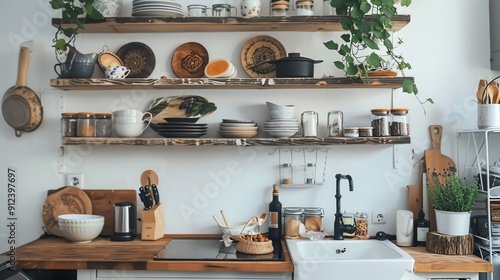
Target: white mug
column 116, row 72
column 404, row 227
column 250, row 8
column 130, row 116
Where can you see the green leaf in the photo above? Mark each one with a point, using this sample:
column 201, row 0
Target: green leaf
column 344, row 50
column 60, row 44
column 339, row 65
column 346, row 23
column 352, row 69
column 337, row 3
column 92, row 12
column 349, row 59
column 374, row 60
column 68, row 32
column 365, row 7
column 405, row 3
column 341, row 11
column 369, row 42
column 346, row 37
column 331, row 45
column 408, row 86
column 388, row 44
column 429, row 100
column 57, row 4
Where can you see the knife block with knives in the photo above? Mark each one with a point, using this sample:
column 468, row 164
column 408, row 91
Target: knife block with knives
column 153, row 219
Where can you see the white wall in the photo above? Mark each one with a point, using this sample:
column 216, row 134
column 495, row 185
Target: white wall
column 447, row 43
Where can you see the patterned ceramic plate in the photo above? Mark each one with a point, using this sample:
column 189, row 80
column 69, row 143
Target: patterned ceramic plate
column 139, row 58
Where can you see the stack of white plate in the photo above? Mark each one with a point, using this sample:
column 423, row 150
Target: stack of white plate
column 238, row 128
column 281, row 128
column 163, row 8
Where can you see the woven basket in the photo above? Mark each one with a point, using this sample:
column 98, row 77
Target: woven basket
column 495, row 212
column 253, row 247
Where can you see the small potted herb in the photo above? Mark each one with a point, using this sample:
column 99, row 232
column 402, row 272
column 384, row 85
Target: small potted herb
column 453, row 198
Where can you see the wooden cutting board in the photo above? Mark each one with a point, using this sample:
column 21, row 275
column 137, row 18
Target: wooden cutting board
column 102, row 204
column 415, row 192
column 436, row 164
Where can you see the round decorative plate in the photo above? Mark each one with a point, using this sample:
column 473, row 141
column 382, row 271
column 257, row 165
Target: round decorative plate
column 257, row 51
column 139, row 58
column 67, row 200
column 189, row 60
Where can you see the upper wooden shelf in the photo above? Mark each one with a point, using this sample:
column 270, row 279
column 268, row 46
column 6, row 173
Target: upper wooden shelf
column 219, row 24
column 299, row 141
column 238, row 83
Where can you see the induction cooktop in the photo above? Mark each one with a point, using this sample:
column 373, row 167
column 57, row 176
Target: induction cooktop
column 212, row 249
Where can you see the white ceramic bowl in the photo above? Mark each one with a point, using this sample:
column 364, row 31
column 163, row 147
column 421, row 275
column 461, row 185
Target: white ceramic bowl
column 236, row 229
column 281, row 133
column 274, row 106
column 80, row 228
column 127, row 113
column 220, row 68
column 281, row 114
column 129, row 129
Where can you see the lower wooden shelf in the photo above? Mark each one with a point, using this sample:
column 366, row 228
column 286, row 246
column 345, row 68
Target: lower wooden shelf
column 302, row 141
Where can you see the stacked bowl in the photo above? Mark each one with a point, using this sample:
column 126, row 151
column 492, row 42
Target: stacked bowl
column 282, row 124
column 220, row 68
column 130, row 122
column 238, row 128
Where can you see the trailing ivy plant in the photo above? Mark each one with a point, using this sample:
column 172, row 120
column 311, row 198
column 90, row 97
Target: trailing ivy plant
column 369, row 33
column 71, row 12
column 455, row 194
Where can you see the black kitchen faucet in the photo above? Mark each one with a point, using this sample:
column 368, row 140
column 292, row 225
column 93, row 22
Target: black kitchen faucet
column 338, row 225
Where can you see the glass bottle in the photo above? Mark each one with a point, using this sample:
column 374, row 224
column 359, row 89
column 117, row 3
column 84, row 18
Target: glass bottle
column 103, row 125
column 286, row 173
column 85, row 124
column 399, row 122
column 293, row 219
column 68, row 124
column 420, row 229
column 275, row 216
column 380, row 122
column 348, row 219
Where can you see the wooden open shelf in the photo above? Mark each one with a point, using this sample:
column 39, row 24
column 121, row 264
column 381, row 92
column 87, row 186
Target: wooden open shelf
column 303, row 141
column 219, row 24
column 238, row 83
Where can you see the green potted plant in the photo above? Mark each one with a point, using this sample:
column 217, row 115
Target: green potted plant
column 73, row 11
column 452, row 198
column 367, row 33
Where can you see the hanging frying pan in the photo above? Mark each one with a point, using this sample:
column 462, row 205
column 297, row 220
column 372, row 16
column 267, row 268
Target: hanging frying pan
column 21, row 107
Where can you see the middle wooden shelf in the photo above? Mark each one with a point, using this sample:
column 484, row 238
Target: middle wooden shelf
column 299, row 141
column 238, row 83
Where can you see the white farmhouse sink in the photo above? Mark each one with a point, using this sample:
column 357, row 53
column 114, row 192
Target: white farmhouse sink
column 348, row 260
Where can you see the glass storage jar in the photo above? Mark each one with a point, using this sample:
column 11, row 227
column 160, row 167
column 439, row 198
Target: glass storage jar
column 286, row 173
column 380, row 122
column 85, row 124
column 365, row 131
column 348, row 220
column 361, row 225
column 313, row 219
column 68, row 124
column 310, row 172
column 293, row 219
column 399, row 122
column 103, row 125
column 197, row 10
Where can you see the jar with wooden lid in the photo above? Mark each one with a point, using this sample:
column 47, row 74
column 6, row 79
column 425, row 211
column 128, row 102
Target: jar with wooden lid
column 85, row 124
column 380, row 122
column 399, row 122
column 313, row 219
column 68, row 124
column 103, row 126
column 293, row 219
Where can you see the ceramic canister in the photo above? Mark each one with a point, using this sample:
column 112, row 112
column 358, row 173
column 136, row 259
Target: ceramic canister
column 250, row 8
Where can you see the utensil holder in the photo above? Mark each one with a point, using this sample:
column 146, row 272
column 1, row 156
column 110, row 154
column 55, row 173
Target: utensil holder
column 153, row 223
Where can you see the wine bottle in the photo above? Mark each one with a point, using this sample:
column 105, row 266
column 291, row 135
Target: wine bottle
column 420, row 229
column 275, row 216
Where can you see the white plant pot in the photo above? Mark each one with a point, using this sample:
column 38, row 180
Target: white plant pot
column 452, row 223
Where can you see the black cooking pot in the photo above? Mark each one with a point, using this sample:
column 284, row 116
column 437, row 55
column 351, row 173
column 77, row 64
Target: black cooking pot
column 295, row 66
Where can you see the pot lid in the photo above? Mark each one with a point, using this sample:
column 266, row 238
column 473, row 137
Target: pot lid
column 297, row 57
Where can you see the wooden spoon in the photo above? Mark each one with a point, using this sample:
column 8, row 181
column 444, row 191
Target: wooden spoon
column 480, row 90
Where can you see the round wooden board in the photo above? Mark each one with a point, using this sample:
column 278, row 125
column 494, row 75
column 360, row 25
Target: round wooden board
column 259, row 49
column 189, row 60
column 67, row 200
column 151, row 175
column 108, row 59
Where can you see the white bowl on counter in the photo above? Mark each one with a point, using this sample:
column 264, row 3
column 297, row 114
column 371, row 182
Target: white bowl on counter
column 80, row 228
column 236, row 229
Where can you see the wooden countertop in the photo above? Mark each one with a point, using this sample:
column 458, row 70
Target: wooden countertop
column 101, row 253
column 57, row 253
column 427, row 262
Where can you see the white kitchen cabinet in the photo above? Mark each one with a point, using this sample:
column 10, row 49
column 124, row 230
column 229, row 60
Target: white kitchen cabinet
column 91, row 274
